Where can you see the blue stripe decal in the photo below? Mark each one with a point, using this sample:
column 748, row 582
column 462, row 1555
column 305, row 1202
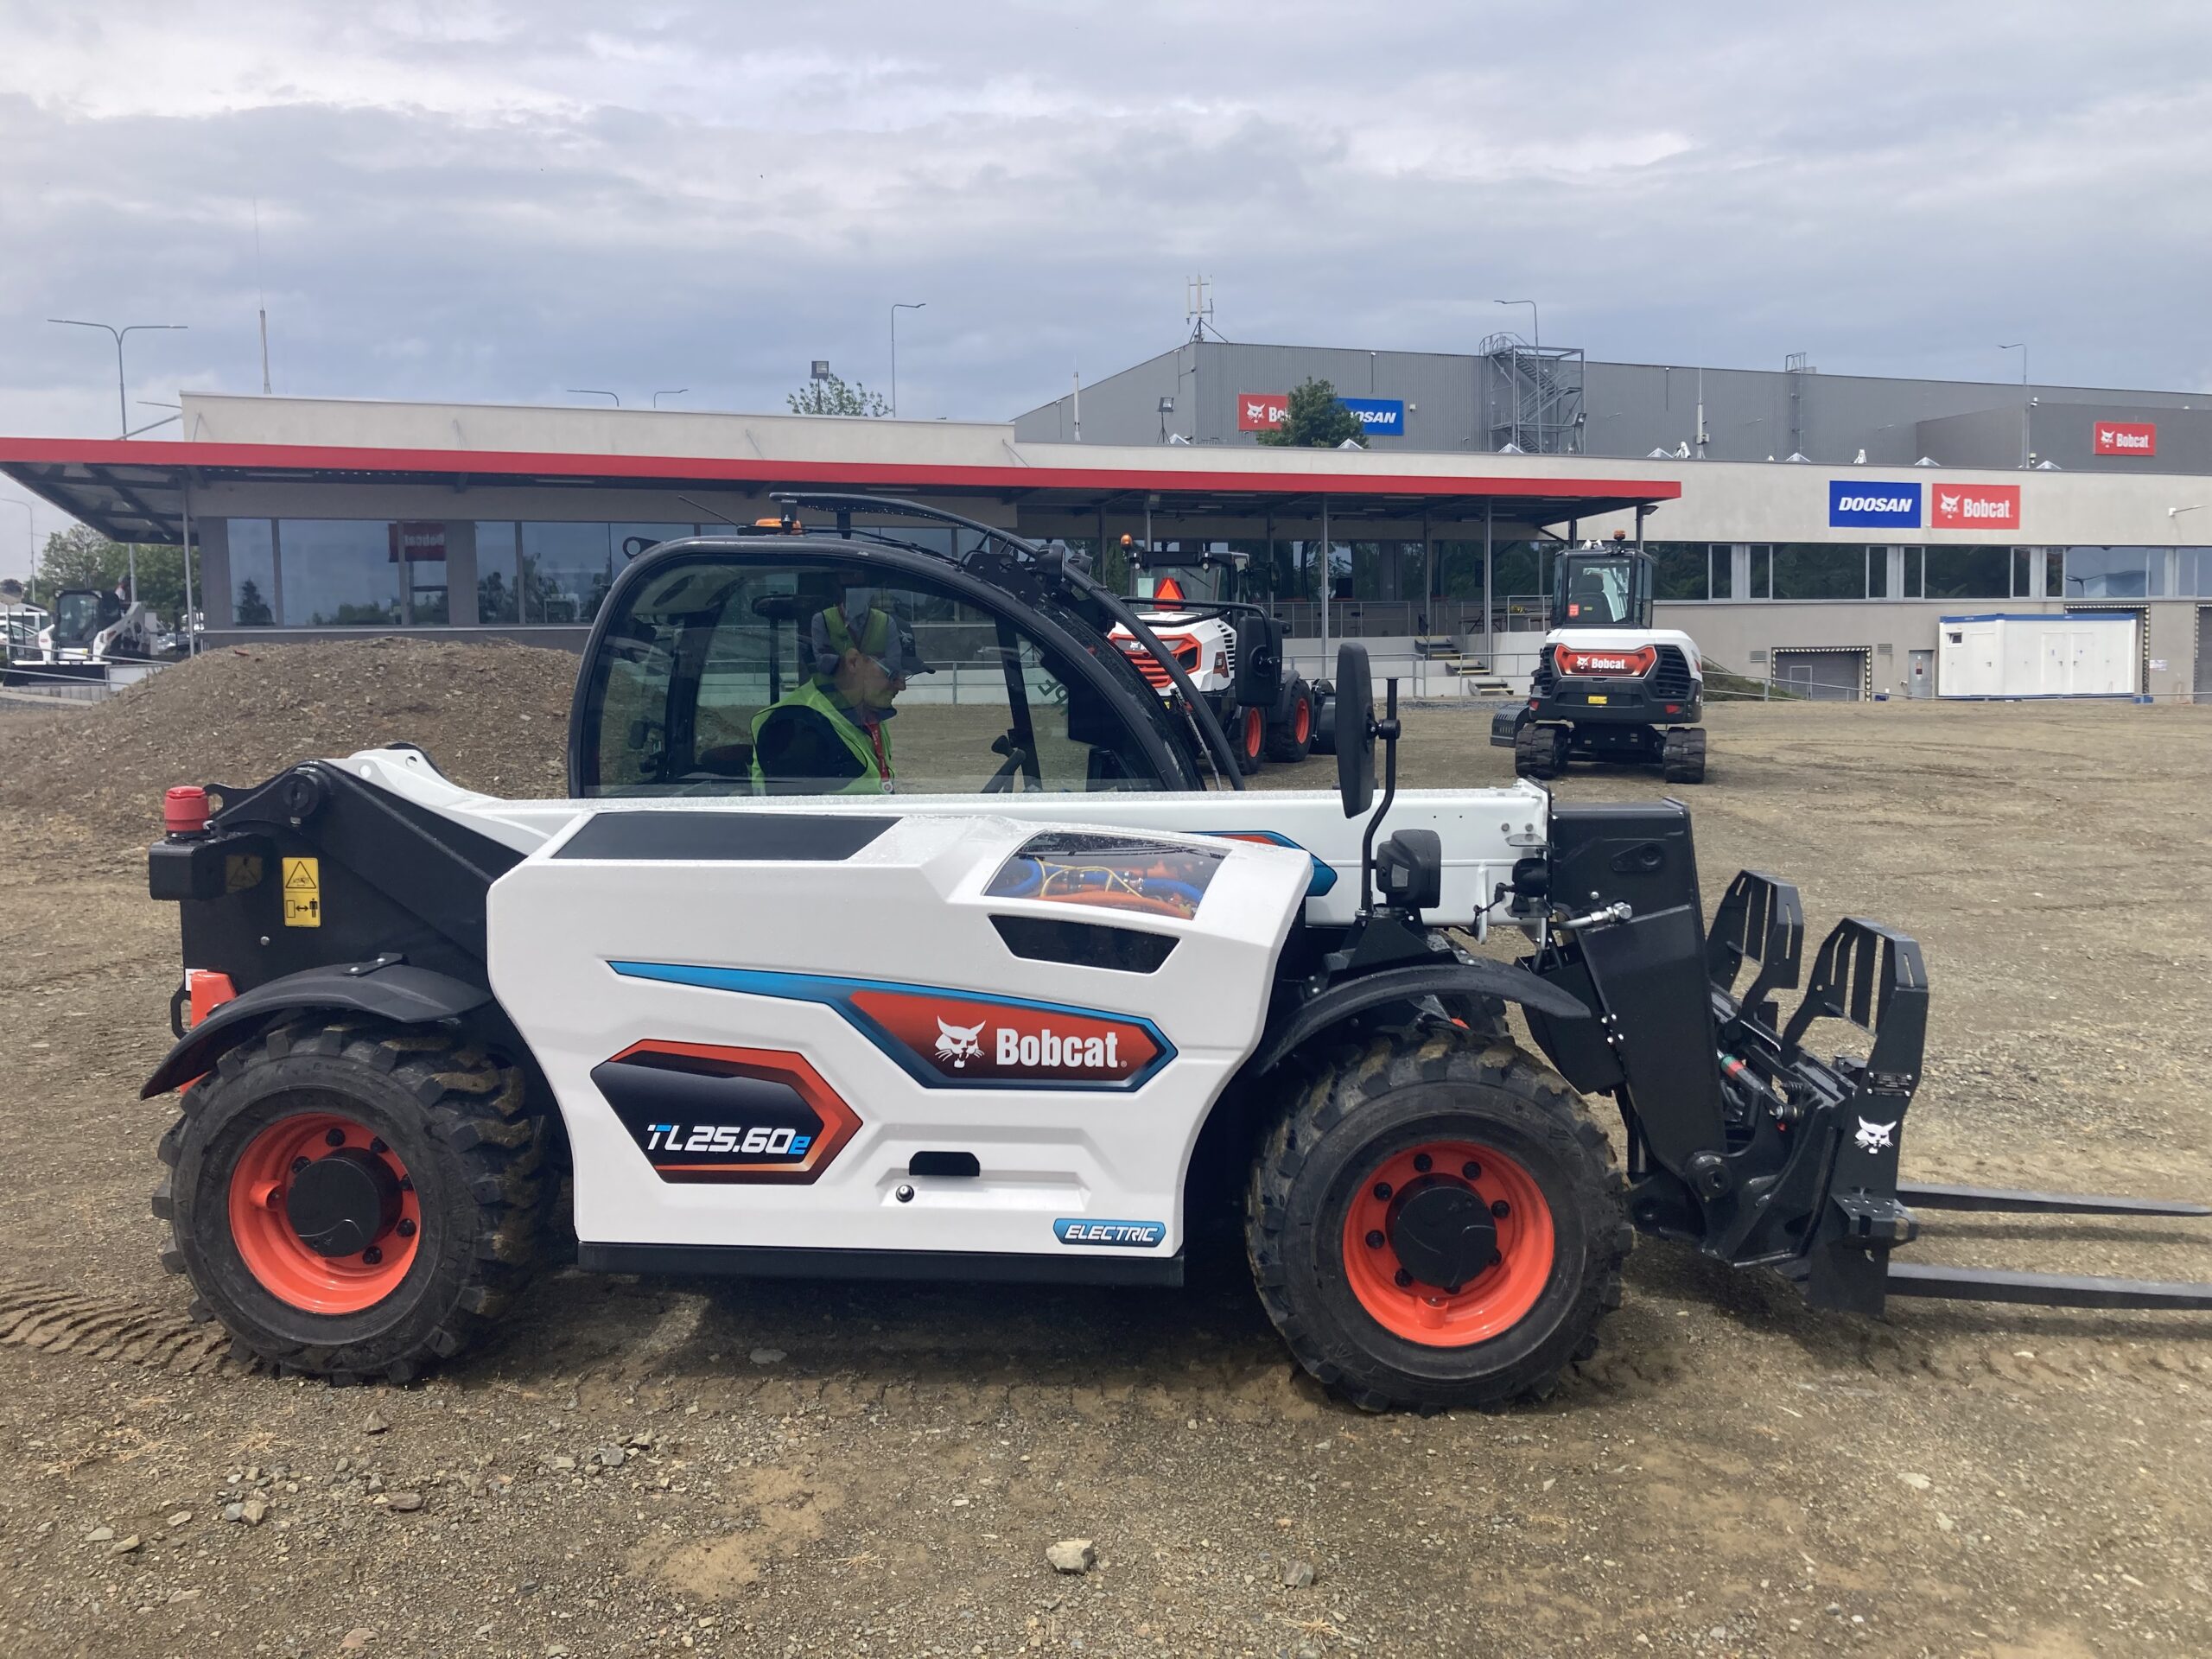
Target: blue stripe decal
column 834, row 992
column 1324, row 876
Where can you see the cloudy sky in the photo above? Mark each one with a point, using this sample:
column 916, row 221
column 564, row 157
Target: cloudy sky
column 497, row 201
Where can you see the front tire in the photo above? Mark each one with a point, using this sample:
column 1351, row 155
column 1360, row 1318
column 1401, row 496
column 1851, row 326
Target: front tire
column 1292, row 739
column 1249, row 732
column 1399, row 1310
column 353, row 1200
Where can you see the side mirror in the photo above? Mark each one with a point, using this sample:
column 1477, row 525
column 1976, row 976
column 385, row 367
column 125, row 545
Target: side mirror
column 1259, row 662
column 1354, row 730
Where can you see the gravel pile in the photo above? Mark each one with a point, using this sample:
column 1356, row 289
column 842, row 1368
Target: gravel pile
column 493, row 716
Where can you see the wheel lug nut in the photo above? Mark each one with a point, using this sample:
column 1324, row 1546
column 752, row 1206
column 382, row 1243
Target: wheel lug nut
column 1471, row 1170
column 298, row 1164
column 333, row 1137
column 1402, row 1278
column 1381, row 1192
column 1501, row 1209
column 379, row 1147
column 373, row 1255
column 406, row 1229
column 1423, row 1162
column 407, row 1183
column 1497, row 1256
column 1374, row 1238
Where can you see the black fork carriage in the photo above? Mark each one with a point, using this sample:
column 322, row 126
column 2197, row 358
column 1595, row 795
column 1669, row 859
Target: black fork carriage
column 1742, row 1141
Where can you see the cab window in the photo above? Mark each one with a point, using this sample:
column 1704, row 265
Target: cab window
column 718, row 676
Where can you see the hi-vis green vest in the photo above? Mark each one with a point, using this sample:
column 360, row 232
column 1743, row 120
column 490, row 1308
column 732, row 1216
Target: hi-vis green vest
column 814, row 695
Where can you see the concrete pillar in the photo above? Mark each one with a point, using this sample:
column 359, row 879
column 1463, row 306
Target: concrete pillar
column 213, row 537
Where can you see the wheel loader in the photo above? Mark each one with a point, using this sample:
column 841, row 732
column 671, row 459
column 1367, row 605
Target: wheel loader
column 1232, row 651
column 894, row 926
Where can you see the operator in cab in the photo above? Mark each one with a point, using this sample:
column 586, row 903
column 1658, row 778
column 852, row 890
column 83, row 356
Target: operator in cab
column 828, row 735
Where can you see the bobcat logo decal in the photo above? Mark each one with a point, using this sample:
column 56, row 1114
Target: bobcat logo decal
column 959, row 1043
column 1874, row 1137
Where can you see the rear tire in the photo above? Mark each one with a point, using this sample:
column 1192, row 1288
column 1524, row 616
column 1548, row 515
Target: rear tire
column 1322, row 1241
column 1325, row 718
column 1291, row 739
column 1682, row 756
column 446, row 1134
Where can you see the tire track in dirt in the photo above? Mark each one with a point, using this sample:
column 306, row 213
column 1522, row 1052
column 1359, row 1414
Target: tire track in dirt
column 59, row 1321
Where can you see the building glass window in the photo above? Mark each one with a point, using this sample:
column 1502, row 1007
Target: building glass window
column 2193, row 573
column 1968, row 572
column 499, row 572
column 1680, row 570
column 1762, row 572
column 419, row 547
column 1819, row 570
column 253, row 573
column 1721, row 560
column 338, row 573
column 1916, row 573
column 1877, row 573
column 566, row 571
column 2116, row 572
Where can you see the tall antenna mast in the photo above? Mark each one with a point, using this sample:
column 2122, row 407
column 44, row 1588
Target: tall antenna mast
column 1197, row 305
column 261, row 298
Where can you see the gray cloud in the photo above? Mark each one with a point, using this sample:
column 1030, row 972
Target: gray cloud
column 494, row 202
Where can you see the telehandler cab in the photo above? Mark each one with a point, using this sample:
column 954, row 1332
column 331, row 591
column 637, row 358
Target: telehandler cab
column 987, row 993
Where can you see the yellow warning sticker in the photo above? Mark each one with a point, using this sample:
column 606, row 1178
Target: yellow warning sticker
column 241, row 872
column 302, row 892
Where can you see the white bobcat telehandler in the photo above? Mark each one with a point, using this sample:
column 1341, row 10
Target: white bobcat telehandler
column 894, row 926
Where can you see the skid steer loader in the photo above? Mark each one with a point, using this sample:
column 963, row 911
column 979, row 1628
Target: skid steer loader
column 896, row 927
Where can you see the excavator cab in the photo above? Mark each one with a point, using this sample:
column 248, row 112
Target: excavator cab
column 1602, row 586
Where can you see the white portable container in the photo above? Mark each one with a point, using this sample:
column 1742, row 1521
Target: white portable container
column 2073, row 654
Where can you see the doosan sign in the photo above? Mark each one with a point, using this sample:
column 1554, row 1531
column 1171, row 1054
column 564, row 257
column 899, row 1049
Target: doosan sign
column 1266, row 411
column 1854, row 501
column 2127, row 437
column 1975, row 506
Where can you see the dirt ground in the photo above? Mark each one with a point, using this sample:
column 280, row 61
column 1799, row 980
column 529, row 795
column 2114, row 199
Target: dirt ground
column 648, row 1467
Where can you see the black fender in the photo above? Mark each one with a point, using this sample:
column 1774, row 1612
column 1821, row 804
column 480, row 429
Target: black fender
column 392, row 991
column 1505, row 725
column 1477, row 977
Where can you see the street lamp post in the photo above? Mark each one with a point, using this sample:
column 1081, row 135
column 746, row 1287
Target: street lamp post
column 122, row 401
column 593, row 392
column 901, row 305
column 2021, row 346
column 671, row 391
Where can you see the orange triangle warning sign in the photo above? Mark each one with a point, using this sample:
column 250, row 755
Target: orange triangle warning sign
column 300, row 876
column 1170, row 590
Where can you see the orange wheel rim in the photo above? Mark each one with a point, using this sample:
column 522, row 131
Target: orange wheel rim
column 1498, row 1296
column 1301, row 724
column 285, row 1263
column 1256, row 731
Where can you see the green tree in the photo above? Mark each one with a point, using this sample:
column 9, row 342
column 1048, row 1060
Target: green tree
column 80, row 556
column 833, row 396
column 251, row 608
column 1316, row 420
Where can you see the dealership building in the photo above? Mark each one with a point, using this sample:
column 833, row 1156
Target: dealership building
column 1815, row 529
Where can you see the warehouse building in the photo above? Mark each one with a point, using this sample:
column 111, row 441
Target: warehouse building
column 1831, row 574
